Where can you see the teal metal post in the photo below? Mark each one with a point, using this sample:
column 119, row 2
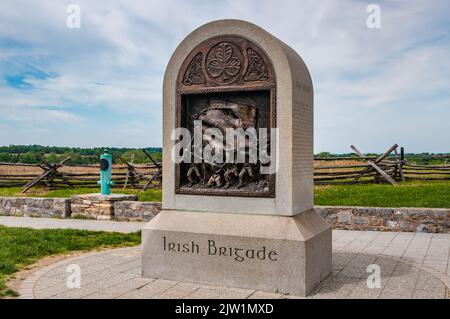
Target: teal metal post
column 105, row 181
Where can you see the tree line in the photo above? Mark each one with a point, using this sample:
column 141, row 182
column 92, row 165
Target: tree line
column 33, row 154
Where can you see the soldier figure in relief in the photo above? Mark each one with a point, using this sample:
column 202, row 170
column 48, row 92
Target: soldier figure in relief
column 216, row 178
column 246, row 170
column 230, row 173
column 193, row 174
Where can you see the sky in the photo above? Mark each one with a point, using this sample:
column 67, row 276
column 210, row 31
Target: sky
column 101, row 84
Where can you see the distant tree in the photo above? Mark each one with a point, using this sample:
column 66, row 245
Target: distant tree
column 324, row 154
column 52, row 158
column 29, row 158
column 5, row 157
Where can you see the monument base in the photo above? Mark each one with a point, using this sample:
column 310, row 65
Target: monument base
column 272, row 253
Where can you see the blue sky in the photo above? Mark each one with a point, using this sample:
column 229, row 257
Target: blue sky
column 100, row 85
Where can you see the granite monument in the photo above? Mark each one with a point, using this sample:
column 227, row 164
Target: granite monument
column 237, row 207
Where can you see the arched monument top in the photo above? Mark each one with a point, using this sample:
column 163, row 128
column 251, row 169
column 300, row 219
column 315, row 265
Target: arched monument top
column 278, row 56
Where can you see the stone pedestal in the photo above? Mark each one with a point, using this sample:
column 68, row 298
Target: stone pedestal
column 273, row 253
column 97, row 206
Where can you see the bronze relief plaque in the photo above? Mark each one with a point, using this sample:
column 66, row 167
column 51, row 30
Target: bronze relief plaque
column 226, row 83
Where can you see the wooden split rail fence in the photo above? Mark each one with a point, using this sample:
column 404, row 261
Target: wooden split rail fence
column 58, row 175
column 133, row 176
column 391, row 167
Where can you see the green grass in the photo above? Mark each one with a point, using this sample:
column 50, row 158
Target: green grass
column 406, row 194
column 23, row 246
column 149, row 195
column 434, row 194
column 10, row 191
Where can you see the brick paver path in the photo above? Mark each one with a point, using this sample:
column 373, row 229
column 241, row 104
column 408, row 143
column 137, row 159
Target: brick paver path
column 413, row 265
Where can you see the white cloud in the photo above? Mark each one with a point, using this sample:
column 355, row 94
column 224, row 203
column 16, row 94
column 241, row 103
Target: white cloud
column 115, row 63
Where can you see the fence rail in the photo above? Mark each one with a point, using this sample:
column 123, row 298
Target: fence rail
column 426, row 172
column 344, row 174
column 388, row 167
column 385, row 168
column 60, row 175
column 120, row 175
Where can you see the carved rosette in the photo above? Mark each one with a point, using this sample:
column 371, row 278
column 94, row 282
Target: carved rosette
column 223, row 63
column 257, row 70
column 194, row 72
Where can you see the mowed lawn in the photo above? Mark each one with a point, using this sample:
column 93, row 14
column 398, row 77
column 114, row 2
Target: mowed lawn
column 146, row 196
column 20, row 247
column 407, row 194
column 433, row 194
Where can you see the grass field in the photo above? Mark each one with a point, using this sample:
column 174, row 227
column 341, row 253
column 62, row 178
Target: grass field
column 146, row 196
column 435, row 194
column 20, row 247
column 407, row 194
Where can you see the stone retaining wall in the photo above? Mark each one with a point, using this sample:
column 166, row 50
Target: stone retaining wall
column 423, row 220
column 97, row 206
column 136, row 211
column 35, row 207
column 426, row 220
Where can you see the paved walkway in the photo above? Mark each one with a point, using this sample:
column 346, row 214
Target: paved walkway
column 54, row 223
column 413, row 265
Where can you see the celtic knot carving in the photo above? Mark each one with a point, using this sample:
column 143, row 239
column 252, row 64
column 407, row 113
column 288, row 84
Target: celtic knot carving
column 194, row 72
column 257, row 70
column 222, row 63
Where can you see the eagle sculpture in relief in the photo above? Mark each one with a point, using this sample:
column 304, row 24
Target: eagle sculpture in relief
column 222, row 114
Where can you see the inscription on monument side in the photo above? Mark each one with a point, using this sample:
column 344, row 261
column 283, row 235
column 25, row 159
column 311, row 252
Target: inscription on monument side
column 212, row 248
